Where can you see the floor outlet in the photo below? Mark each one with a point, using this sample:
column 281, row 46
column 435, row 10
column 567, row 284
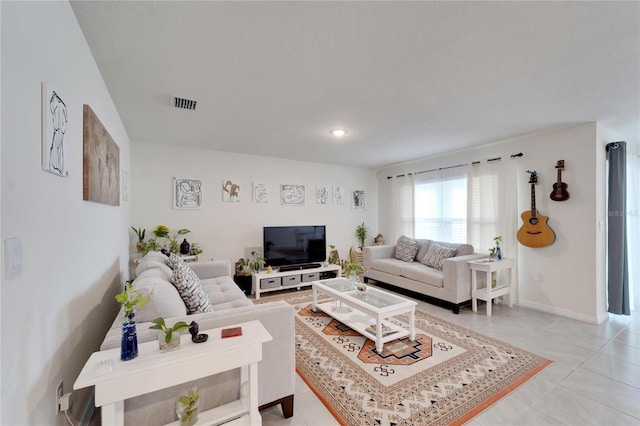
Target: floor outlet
column 59, row 393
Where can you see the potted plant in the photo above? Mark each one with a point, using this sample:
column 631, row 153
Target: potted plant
column 361, row 233
column 334, row 257
column 188, row 406
column 253, row 264
column 498, row 252
column 130, row 298
column 140, row 245
column 168, row 337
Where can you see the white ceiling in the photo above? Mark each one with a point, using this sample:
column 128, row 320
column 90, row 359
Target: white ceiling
column 407, row 79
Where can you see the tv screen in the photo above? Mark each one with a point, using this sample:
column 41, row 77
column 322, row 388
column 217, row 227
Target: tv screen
column 294, row 245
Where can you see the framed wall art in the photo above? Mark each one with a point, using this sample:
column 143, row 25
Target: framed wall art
column 292, row 195
column 260, row 193
column 230, row 191
column 187, row 193
column 55, row 121
column 358, row 200
column 322, row 195
column 338, row 195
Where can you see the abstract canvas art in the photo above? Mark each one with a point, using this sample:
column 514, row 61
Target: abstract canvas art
column 230, row 191
column 101, row 162
column 260, row 194
column 358, row 200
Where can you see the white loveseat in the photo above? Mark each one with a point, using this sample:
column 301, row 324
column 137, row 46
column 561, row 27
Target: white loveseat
column 276, row 371
column 451, row 284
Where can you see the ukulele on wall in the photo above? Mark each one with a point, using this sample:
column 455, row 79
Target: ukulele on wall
column 534, row 231
column 559, row 192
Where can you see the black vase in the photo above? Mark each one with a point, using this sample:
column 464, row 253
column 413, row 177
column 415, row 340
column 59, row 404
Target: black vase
column 184, row 247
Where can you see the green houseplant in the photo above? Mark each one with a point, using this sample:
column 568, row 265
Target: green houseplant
column 168, row 337
column 188, row 406
column 130, row 298
column 140, row 233
column 254, row 263
column 362, row 233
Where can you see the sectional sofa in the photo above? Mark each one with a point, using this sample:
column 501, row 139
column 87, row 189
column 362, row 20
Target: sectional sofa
column 229, row 305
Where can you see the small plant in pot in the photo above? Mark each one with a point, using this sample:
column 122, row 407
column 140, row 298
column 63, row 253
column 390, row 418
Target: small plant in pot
column 188, row 406
column 362, row 233
column 168, row 337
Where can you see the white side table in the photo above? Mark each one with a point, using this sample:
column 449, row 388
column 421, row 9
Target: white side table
column 117, row 380
column 489, row 293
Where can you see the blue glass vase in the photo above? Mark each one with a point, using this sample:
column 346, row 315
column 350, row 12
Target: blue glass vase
column 498, row 253
column 129, row 346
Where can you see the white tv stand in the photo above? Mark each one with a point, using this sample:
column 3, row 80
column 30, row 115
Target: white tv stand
column 262, row 282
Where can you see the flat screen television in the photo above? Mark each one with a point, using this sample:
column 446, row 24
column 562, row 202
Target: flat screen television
column 294, row 245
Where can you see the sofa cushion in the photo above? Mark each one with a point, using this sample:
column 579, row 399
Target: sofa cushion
column 437, row 254
column 406, row 249
column 165, row 300
column 188, row 285
column 423, row 246
column 152, row 260
column 224, row 293
column 419, row 272
column 389, row 265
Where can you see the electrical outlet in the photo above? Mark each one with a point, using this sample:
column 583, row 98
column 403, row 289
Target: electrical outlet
column 59, row 393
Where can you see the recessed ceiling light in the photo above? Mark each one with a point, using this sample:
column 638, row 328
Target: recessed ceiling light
column 338, row 132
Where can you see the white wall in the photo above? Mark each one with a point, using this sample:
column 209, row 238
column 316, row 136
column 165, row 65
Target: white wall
column 572, row 268
column 75, row 253
column 226, row 229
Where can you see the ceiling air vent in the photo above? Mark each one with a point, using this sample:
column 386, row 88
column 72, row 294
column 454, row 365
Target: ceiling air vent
column 184, row 103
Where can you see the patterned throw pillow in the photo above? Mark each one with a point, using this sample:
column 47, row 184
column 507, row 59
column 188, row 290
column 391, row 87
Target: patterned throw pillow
column 406, row 249
column 436, row 255
column 188, row 285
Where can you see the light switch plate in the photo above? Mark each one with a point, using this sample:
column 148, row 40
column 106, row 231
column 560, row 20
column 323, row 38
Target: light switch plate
column 13, row 257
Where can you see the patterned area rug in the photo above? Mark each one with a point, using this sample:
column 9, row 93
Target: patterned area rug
column 446, row 376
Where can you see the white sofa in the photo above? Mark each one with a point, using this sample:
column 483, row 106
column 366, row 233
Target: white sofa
column 276, row 371
column 451, row 285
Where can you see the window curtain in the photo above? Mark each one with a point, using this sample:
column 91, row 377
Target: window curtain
column 633, row 226
column 440, row 199
column 493, row 207
column 401, row 207
column 617, row 260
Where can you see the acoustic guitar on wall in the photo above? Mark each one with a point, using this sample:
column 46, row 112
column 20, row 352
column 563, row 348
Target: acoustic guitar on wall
column 534, row 231
column 559, row 192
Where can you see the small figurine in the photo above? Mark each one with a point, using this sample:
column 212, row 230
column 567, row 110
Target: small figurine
column 195, row 337
column 269, row 269
column 378, row 240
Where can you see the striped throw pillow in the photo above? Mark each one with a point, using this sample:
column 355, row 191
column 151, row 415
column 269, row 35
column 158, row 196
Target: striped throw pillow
column 188, row 285
column 436, row 255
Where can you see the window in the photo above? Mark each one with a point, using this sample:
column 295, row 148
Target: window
column 440, row 205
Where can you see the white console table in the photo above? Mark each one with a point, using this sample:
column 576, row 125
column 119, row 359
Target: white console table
column 263, row 281
column 117, row 380
column 489, row 292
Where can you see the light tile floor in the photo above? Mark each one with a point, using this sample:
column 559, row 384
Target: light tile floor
column 594, row 380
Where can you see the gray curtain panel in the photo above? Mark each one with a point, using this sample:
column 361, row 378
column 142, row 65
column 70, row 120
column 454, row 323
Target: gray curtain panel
column 617, row 271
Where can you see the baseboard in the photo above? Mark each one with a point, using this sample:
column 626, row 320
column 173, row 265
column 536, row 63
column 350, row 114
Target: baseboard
column 598, row 319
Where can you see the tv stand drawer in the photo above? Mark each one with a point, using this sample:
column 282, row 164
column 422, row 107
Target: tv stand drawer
column 267, row 283
column 310, row 276
column 291, row 280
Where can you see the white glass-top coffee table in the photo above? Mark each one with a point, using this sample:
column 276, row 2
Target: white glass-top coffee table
column 366, row 312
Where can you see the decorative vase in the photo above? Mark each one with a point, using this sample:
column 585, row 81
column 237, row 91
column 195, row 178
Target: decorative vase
column 498, row 253
column 171, row 345
column 188, row 407
column 184, row 247
column 129, row 345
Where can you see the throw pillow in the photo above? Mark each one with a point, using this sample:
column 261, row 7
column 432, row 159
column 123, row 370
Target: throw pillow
column 188, row 285
column 436, row 255
column 406, row 249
